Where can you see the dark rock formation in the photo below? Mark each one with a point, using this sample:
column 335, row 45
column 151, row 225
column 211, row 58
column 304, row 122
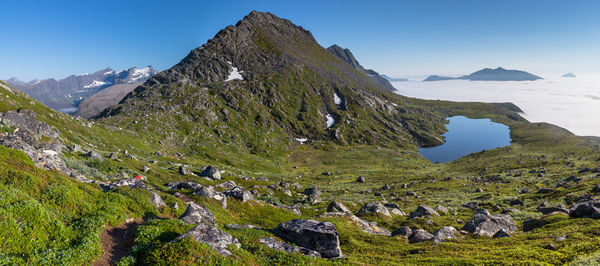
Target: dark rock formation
column 310, row 234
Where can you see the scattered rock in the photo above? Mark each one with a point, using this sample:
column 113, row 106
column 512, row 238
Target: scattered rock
column 441, row 210
column 146, row 169
column 419, row 235
column 394, row 208
column 524, row 190
column 227, row 185
column 196, row 213
column 549, row 210
column 314, row 195
column 184, row 170
column 210, row 192
column 486, row 224
column 596, row 188
column 278, row 245
column 374, row 207
column 183, row 185
column 336, row 206
column 211, row 172
column 326, row 173
column 213, row 237
column 94, row 155
column 587, row 209
column 501, row 233
column 550, row 247
column 444, row 233
column 157, row 200
column 402, row 231
column 479, row 190
column 240, row 193
column 360, row 179
column 113, row 156
column 314, row 235
column 423, row 211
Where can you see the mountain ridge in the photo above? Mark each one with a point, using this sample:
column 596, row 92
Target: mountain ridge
column 66, row 93
column 289, row 81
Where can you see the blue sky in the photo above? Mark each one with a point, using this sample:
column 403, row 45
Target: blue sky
column 42, row 39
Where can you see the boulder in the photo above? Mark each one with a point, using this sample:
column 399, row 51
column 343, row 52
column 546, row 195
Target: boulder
column 374, row 207
column 157, row 200
column 586, row 209
column 423, row 211
column 444, row 233
column 360, row 179
column 94, row 155
column 183, row 185
column 402, row 231
column 278, row 245
column 419, row 235
column 321, row 237
column 336, row 206
column 113, row 156
column 213, row 237
column 501, row 233
column 211, row 172
column 240, row 193
column 196, row 213
column 314, row 195
column 184, row 170
column 441, row 210
column 483, row 223
column 394, row 208
column 229, row 185
column 210, row 192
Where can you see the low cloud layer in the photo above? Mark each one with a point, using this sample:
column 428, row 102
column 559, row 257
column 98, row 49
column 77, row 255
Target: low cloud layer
column 572, row 103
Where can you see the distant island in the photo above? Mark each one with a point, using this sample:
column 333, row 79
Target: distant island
column 393, row 79
column 569, row 75
column 488, row 74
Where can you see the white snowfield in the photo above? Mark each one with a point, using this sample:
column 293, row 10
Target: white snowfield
column 139, row 73
column 96, row 83
column 330, row 120
column 336, row 99
column 571, row 103
column 235, row 74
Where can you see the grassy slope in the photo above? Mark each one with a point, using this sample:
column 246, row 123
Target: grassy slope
column 72, row 214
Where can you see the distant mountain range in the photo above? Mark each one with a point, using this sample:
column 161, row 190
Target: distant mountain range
column 65, row 94
column 488, row 74
column 347, row 56
column 569, row 75
column 393, row 79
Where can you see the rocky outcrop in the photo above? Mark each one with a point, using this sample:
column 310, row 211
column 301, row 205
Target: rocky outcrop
column 213, row 237
column 486, row 224
column 196, row 213
column 26, row 136
column 278, row 245
column 321, row 237
column 183, row 185
column 157, row 200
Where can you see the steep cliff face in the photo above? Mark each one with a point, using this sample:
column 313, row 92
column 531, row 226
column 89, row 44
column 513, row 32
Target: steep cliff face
column 347, row 56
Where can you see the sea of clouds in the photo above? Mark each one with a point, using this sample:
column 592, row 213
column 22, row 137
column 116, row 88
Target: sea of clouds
column 571, row 103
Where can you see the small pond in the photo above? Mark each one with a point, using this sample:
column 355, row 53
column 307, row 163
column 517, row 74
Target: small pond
column 466, row 136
